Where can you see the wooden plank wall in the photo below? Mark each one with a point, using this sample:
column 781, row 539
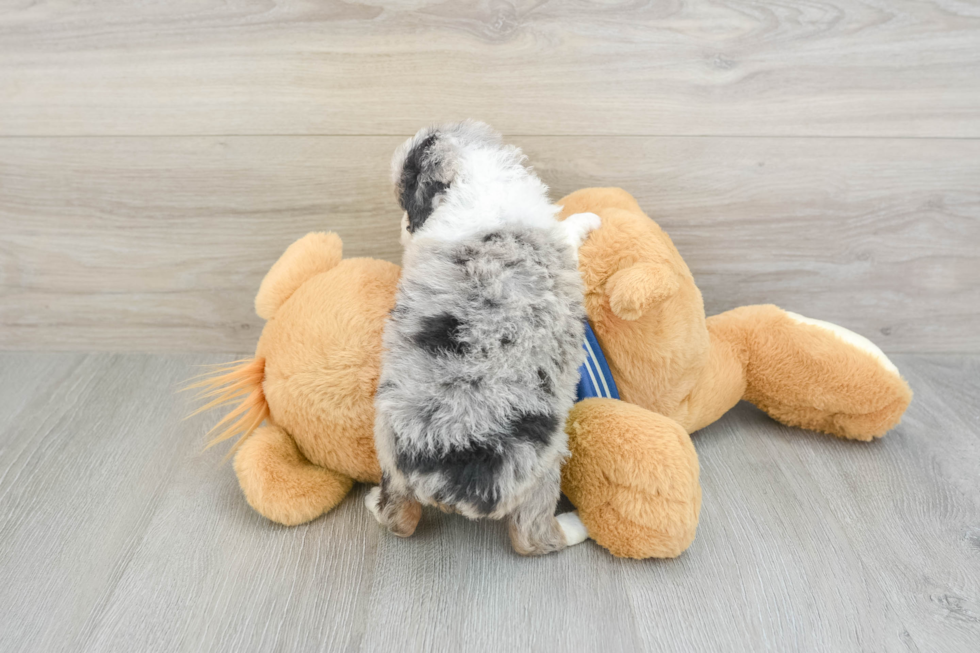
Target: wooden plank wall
column 155, row 158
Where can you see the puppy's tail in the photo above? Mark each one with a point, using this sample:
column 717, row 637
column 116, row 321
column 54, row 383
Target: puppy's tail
column 238, row 382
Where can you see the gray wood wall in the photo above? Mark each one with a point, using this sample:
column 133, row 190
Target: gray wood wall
column 156, row 158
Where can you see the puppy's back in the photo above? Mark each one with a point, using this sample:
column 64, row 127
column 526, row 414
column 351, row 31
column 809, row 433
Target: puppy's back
column 482, row 352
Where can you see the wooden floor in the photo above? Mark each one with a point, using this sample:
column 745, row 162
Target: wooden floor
column 118, row 535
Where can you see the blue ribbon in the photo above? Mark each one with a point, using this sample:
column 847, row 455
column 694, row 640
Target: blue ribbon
column 595, row 379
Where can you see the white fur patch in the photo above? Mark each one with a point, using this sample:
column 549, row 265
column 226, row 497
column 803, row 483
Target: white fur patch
column 372, row 500
column 575, row 531
column 492, row 190
column 578, row 227
column 849, row 337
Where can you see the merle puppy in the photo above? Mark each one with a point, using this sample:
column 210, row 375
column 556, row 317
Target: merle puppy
column 482, row 349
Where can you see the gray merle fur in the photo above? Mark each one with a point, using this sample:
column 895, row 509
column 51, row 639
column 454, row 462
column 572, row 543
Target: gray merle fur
column 480, row 366
column 482, row 349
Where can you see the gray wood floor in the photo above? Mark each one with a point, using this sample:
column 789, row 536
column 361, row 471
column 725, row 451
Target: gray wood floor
column 117, row 535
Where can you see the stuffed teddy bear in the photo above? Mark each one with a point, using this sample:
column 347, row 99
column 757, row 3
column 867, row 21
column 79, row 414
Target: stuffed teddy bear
column 633, row 472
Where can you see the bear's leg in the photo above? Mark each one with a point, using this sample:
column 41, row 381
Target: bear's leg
column 633, row 475
column 281, row 484
column 594, row 200
column 813, row 374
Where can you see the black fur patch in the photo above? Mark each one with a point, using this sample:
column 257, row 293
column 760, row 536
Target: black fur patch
column 471, row 474
column 417, row 195
column 545, row 382
column 464, row 255
column 440, row 335
column 462, row 382
column 536, row 428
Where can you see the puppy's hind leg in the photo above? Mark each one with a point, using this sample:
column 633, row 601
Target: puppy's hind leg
column 398, row 512
column 534, row 530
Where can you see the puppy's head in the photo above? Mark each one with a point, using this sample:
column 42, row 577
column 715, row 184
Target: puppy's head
column 424, row 168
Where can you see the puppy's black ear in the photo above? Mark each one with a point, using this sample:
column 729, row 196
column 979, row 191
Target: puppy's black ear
column 423, row 168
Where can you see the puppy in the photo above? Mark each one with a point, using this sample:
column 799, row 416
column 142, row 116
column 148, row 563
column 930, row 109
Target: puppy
column 483, row 346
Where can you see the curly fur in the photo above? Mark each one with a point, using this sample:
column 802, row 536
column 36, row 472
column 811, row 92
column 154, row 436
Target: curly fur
column 482, row 349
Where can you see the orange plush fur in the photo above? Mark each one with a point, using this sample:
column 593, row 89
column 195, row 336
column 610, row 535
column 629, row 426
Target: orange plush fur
column 633, row 473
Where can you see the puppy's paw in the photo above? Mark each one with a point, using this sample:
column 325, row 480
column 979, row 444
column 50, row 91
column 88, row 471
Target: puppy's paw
column 573, row 528
column 373, row 502
column 588, row 221
column 579, row 226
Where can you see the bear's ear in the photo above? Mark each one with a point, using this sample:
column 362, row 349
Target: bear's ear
column 422, row 169
column 309, row 256
column 635, row 290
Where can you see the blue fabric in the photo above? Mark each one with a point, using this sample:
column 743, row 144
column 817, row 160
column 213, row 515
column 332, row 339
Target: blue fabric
column 595, row 379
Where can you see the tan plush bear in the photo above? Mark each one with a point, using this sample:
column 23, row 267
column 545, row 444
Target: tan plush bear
column 633, row 473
